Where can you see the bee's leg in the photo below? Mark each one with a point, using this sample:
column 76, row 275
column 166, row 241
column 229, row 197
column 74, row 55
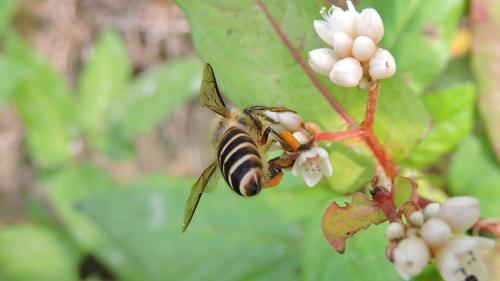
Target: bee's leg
column 250, row 111
column 286, row 139
column 274, row 173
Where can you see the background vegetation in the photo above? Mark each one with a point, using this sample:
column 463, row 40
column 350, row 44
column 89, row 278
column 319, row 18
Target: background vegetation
column 101, row 135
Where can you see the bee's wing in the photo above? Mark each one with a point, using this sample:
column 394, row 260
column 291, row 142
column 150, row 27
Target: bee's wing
column 205, row 183
column 209, row 93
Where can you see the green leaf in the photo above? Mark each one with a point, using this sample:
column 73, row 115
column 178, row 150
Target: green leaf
column 69, row 186
column 12, row 74
column 453, row 113
column 356, row 169
column 474, row 171
column 364, row 259
column 103, row 82
column 341, row 223
column 419, row 34
column 403, row 190
column 486, row 65
column 44, row 102
column 259, row 237
column 151, row 99
column 29, row 252
column 254, row 66
column 65, row 190
column 7, row 10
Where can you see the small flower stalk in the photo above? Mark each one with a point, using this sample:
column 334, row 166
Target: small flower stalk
column 437, row 233
column 355, row 58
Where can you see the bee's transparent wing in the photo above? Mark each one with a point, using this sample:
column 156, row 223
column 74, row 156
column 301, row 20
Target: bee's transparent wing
column 205, row 183
column 209, row 93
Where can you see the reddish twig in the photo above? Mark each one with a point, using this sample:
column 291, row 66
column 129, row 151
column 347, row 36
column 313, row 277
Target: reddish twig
column 384, row 200
column 338, row 136
column 371, row 107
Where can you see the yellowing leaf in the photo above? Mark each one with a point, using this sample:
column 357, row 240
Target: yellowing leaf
column 340, row 223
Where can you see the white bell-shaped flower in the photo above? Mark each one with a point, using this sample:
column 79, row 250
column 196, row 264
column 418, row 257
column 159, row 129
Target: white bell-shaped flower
column 395, row 231
column 431, row 210
column 342, row 45
column 322, row 60
column 461, row 213
column 289, row 120
column 312, row 165
column 459, row 259
column 346, row 72
column 435, row 232
column 363, row 48
column 416, row 218
column 340, row 20
column 382, row 65
column 411, row 256
column 369, row 23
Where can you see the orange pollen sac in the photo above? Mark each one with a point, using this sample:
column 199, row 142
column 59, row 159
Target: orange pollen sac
column 274, row 181
column 290, row 139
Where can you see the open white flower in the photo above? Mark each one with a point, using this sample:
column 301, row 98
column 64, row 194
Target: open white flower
column 312, row 165
column 461, row 213
column 354, row 36
column 459, row 259
column 411, row 256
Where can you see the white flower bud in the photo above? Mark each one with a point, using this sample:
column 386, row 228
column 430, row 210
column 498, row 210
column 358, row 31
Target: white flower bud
column 363, row 48
column 411, row 256
column 370, row 24
column 382, row 65
column 346, row 72
column 461, row 213
column 322, row 60
column 301, row 137
column 431, row 210
column 342, row 44
column 323, row 31
column 416, row 218
column 395, row 231
column 291, row 121
column 435, row 232
column 343, row 21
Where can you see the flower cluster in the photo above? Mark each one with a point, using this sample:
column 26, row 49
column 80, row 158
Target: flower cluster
column 437, row 232
column 311, row 164
column 356, row 59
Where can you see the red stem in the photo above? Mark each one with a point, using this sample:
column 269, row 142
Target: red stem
column 338, row 136
column 369, row 136
column 371, row 107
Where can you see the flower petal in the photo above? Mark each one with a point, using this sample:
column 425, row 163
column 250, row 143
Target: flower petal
column 311, row 178
column 323, row 31
column 322, row 60
column 326, row 167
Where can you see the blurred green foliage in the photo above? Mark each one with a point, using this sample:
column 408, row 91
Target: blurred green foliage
column 133, row 228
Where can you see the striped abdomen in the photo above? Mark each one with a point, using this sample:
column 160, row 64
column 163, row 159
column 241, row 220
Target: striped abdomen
column 240, row 162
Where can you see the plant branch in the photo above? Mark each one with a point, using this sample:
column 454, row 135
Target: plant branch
column 338, row 136
column 371, row 107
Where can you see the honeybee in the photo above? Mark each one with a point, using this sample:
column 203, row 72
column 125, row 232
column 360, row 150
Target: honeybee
column 241, row 140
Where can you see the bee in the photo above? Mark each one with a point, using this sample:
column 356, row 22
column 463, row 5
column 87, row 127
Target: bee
column 241, row 140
